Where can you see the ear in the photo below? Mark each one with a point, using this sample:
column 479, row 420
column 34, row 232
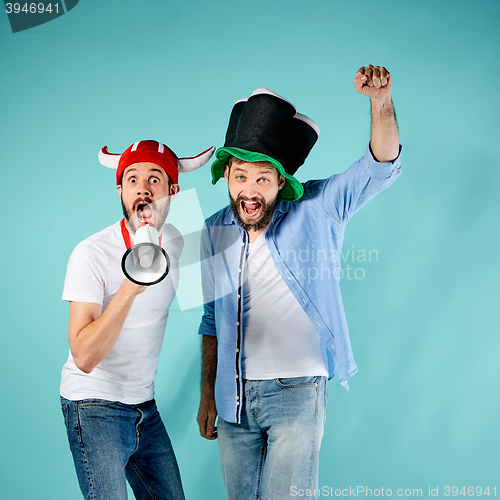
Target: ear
column 226, row 174
column 281, row 182
column 119, row 189
column 174, row 190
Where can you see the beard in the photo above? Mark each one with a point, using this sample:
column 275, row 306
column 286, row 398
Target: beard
column 266, row 216
column 161, row 213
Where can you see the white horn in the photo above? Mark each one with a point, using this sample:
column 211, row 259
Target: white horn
column 190, row 164
column 109, row 160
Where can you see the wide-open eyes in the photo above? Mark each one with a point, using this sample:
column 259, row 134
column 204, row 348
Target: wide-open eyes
column 152, row 180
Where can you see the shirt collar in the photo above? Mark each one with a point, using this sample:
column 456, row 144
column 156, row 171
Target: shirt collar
column 283, row 206
column 228, row 219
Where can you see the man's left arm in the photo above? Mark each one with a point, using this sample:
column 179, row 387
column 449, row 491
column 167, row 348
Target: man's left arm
column 342, row 195
column 375, row 82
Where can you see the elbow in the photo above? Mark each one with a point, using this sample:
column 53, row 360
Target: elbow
column 86, row 368
column 85, row 365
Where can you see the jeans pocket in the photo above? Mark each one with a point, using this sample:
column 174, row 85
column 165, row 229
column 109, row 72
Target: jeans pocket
column 297, row 382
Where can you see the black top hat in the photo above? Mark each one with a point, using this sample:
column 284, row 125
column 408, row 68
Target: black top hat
column 266, row 127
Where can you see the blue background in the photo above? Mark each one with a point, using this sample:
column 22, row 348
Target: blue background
column 423, row 409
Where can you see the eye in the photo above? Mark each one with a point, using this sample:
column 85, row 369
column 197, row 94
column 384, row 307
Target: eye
column 264, row 179
column 154, row 180
column 132, row 179
column 240, row 177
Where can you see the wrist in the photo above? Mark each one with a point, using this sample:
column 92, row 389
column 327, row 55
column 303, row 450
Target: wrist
column 381, row 103
column 132, row 290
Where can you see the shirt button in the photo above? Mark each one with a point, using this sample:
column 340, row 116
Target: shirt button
column 237, row 323
column 239, row 270
column 237, row 350
column 237, row 403
column 304, row 300
column 236, row 376
column 242, row 243
column 237, row 397
column 239, row 296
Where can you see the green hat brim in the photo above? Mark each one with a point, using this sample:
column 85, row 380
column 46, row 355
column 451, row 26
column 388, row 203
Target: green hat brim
column 291, row 191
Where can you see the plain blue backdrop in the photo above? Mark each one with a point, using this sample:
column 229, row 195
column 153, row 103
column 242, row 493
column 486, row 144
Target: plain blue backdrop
column 423, row 409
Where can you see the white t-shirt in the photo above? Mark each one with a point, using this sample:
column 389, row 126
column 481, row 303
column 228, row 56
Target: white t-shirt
column 94, row 275
column 279, row 339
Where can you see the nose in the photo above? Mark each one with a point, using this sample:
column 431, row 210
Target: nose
column 143, row 188
column 251, row 189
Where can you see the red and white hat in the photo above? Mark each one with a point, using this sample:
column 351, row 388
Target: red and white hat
column 153, row 152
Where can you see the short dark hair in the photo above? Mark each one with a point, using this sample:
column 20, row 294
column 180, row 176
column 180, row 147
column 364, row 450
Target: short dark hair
column 234, row 159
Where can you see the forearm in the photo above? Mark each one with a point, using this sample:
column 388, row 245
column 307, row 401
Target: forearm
column 92, row 343
column 207, row 412
column 384, row 140
column 209, row 364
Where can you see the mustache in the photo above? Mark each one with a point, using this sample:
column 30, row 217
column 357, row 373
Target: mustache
column 260, row 199
column 143, row 200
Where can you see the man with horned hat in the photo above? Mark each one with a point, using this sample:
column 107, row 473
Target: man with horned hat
column 116, row 329
column 274, row 329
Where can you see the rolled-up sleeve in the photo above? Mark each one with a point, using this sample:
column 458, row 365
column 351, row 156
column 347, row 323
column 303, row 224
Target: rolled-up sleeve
column 344, row 194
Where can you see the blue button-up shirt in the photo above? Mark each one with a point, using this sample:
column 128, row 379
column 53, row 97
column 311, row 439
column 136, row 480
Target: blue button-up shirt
column 305, row 240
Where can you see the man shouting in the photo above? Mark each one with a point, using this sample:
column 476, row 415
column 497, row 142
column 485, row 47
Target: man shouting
column 274, row 329
column 116, row 329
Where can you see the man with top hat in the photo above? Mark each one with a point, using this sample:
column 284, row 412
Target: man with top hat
column 116, row 329
column 274, row 329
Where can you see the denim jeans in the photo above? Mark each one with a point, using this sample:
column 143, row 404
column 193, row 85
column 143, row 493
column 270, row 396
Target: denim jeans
column 113, row 442
column 276, row 445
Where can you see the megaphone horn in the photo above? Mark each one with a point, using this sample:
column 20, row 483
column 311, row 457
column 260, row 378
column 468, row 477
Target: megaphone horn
column 146, row 262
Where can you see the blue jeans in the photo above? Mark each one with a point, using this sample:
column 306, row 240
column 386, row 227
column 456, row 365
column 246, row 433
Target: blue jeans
column 276, row 446
column 112, row 442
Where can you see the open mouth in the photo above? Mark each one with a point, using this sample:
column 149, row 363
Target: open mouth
column 251, row 209
column 144, row 212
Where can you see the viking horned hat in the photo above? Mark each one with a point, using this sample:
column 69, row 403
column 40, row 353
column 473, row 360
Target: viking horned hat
column 154, row 152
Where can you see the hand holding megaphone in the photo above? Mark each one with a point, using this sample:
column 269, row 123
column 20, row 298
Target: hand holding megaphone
column 146, row 262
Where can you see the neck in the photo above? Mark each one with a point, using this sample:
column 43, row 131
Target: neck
column 129, row 229
column 253, row 235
